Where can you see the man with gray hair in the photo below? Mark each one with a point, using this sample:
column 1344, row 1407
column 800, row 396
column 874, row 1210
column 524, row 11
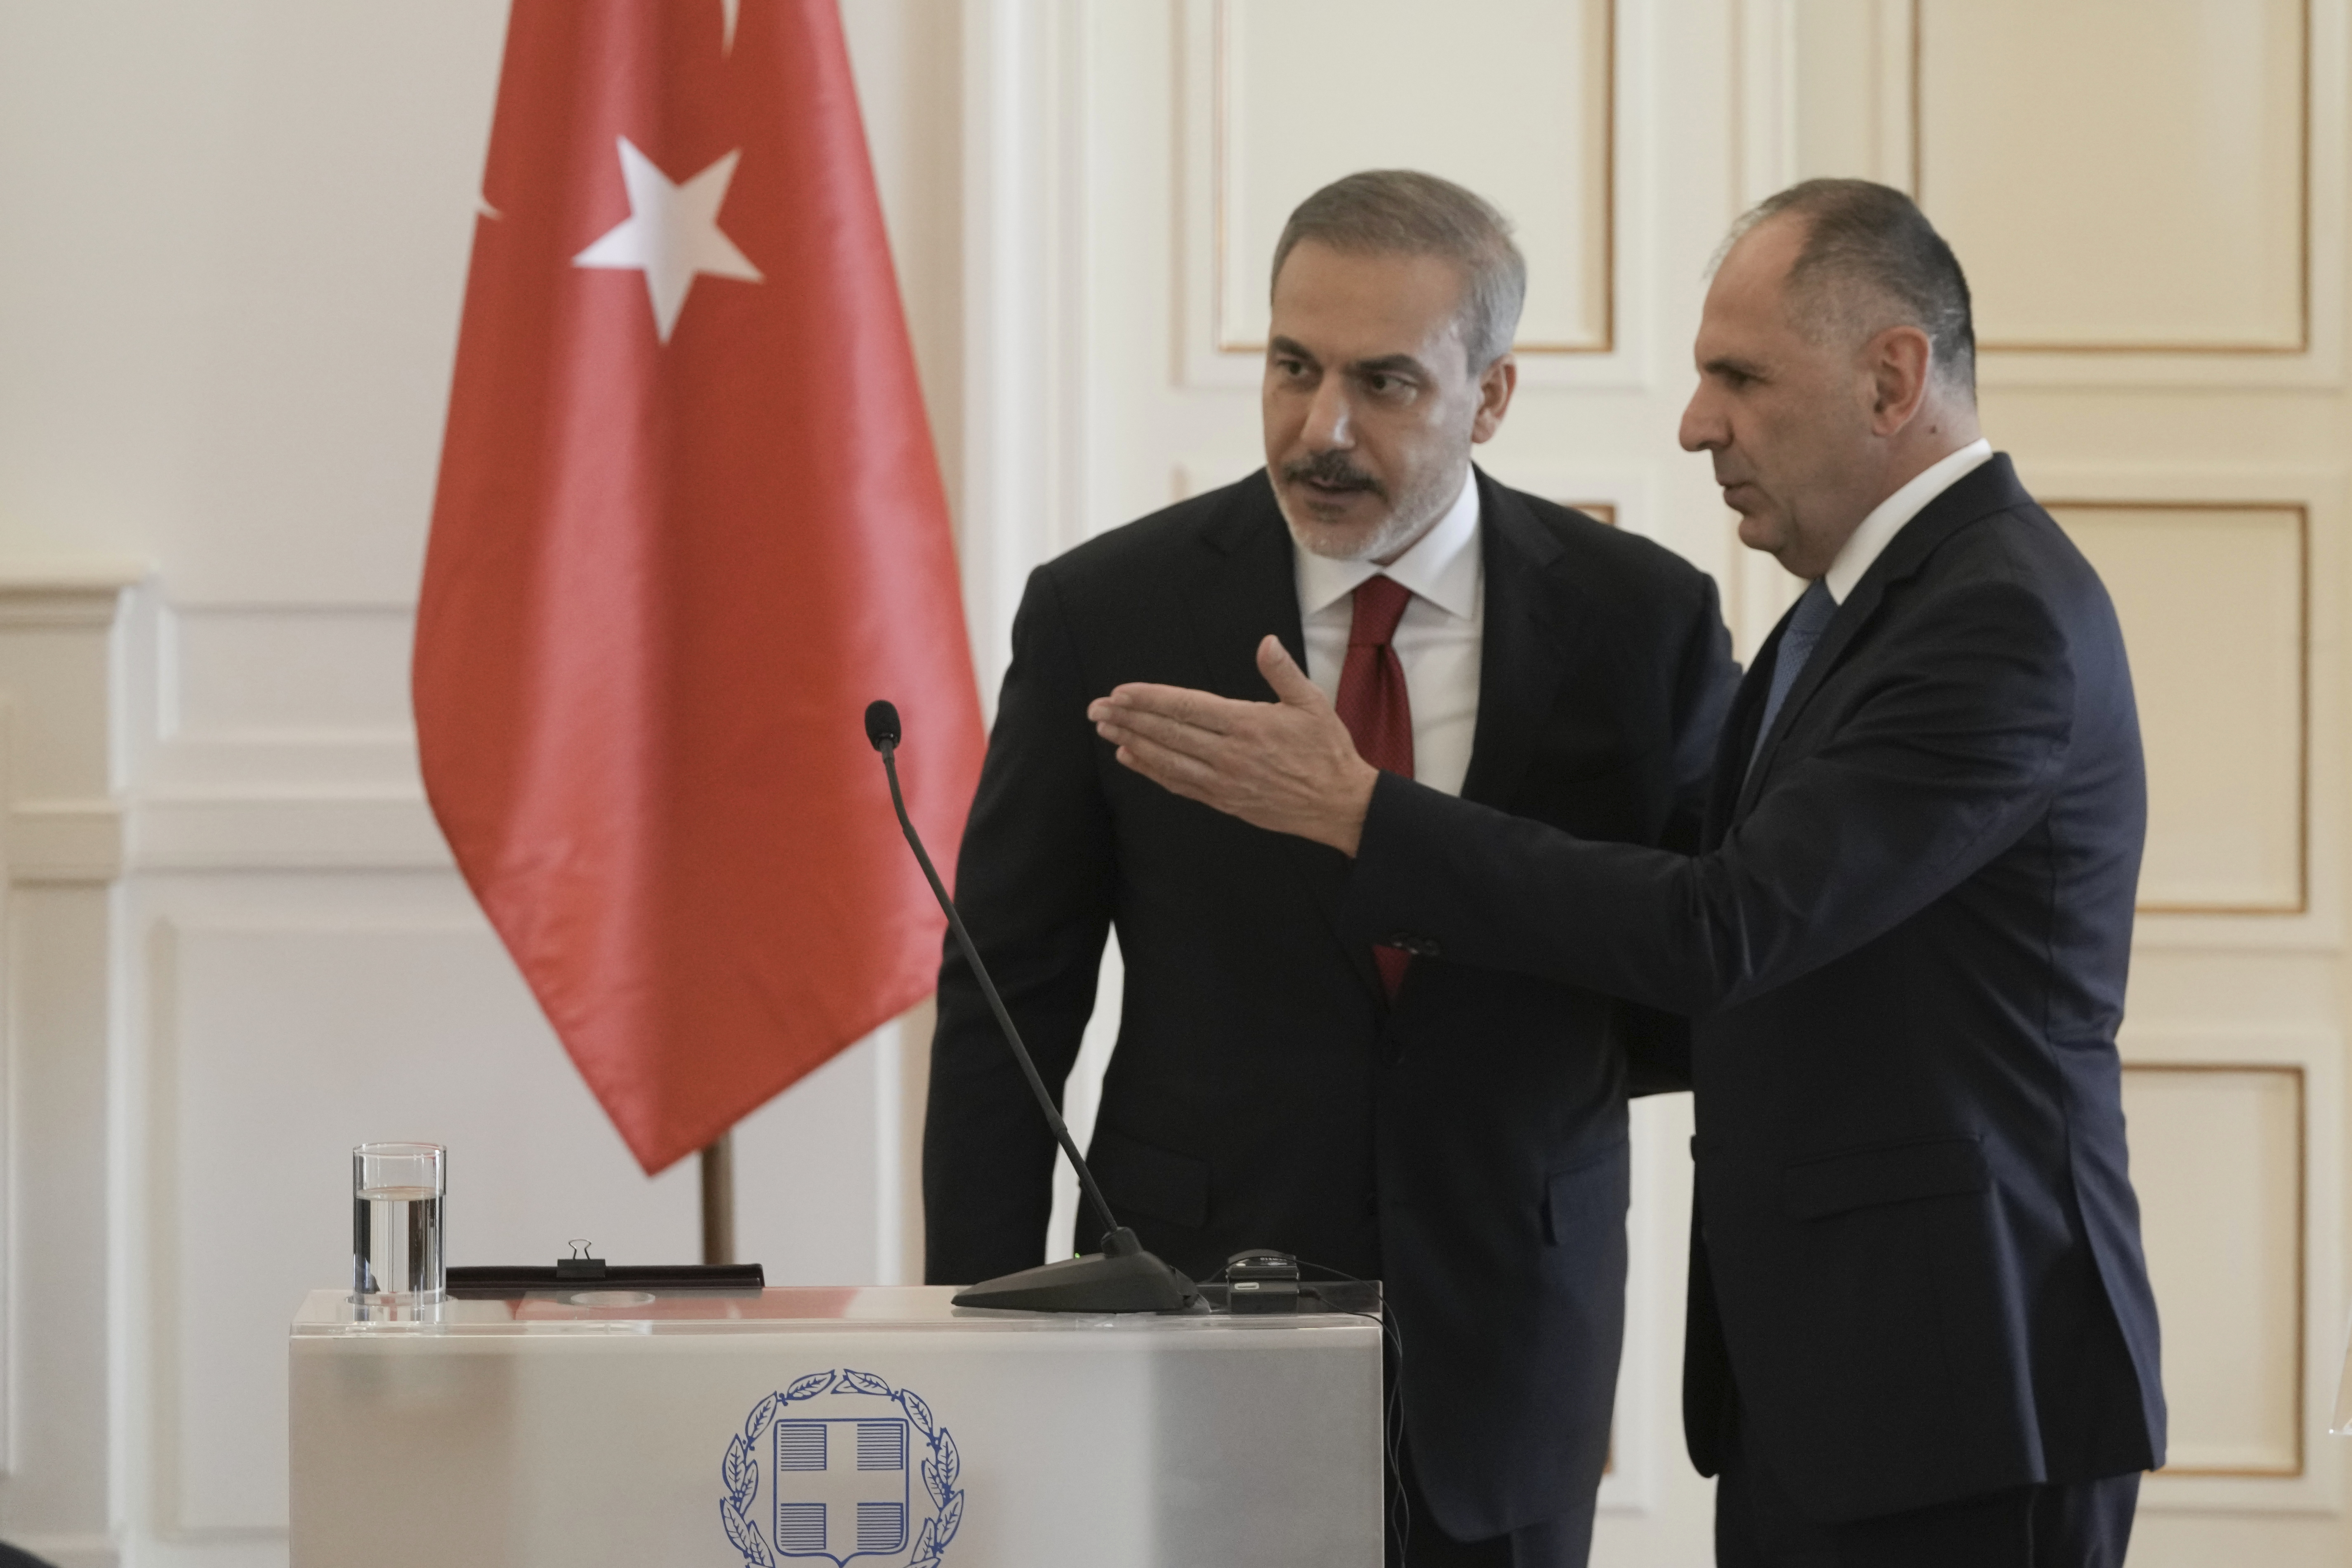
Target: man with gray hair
column 1278, row 1083
column 1921, row 1334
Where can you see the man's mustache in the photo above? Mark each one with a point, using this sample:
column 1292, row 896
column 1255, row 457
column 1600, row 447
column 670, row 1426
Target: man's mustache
column 1334, row 471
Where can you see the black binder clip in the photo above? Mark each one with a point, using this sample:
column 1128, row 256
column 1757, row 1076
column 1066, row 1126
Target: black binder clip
column 580, row 1265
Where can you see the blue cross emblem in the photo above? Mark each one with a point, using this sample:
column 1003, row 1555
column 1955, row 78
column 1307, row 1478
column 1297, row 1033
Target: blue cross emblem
column 841, row 1488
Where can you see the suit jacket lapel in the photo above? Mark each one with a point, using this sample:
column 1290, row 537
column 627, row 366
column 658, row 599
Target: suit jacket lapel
column 1525, row 650
column 1250, row 587
column 1989, row 487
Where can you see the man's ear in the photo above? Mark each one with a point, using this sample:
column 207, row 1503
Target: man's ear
column 1899, row 359
column 1495, row 389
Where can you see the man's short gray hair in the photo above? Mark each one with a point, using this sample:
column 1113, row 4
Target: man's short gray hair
column 1389, row 212
column 1872, row 260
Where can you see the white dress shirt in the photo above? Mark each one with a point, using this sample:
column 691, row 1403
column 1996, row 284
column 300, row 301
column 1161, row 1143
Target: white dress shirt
column 1437, row 640
column 1887, row 518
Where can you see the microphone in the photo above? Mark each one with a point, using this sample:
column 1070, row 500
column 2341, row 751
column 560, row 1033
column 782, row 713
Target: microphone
column 1122, row 1276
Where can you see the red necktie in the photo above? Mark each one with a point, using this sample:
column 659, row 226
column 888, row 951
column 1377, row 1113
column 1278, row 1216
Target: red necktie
column 1374, row 705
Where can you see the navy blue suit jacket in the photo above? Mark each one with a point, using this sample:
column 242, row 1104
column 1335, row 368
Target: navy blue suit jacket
column 1467, row 1144
column 1916, row 1269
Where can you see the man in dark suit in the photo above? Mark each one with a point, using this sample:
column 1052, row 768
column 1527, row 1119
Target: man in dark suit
column 1920, row 1327
column 1277, row 1083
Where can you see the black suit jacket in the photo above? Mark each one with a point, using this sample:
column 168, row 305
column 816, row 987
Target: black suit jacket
column 1467, row 1144
column 1916, row 1274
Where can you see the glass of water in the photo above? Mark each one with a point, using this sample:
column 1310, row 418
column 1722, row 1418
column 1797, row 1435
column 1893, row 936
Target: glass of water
column 397, row 1192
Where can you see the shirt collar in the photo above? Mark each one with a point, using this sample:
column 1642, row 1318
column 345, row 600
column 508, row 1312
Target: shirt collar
column 1442, row 566
column 1887, row 518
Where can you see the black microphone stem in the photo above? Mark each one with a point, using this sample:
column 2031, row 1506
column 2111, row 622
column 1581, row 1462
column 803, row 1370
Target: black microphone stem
column 988, row 989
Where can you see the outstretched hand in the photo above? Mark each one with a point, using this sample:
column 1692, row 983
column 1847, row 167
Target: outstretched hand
column 1288, row 765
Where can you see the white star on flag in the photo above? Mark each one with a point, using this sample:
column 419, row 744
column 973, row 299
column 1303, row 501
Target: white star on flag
column 671, row 233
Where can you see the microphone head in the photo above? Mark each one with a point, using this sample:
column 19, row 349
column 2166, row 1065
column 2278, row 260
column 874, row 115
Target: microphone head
column 882, row 724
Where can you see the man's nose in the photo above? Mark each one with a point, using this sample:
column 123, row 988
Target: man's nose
column 1702, row 429
column 1331, row 422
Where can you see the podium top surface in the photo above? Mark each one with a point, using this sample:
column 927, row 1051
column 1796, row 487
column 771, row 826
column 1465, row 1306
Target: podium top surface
column 784, row 1309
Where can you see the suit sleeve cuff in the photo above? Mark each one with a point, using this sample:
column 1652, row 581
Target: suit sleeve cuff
column 1400, row 849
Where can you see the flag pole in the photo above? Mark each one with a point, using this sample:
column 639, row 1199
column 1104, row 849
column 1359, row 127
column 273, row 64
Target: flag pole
column 719, row 1199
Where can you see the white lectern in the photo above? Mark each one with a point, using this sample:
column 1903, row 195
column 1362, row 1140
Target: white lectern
column 883, row 1427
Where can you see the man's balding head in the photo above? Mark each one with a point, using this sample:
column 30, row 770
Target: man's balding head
column 1869, row 259
column 1836, row 362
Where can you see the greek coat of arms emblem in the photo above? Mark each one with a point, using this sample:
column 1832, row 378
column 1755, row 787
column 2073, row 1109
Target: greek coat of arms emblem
column 840, row 1466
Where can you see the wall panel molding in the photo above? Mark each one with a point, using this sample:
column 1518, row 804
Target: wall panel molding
column 1850, row 88
column 2273, row 1119
column 258, row 671
column 1587, row 232
column 270, row 736
column 1026, row 425
column 1973, row 20
column 60, row 837
column 1240, row 252
column 2320, row 488
column 2170, row 645
column 291, row 830
column 2283, row 1455
column 65, row 841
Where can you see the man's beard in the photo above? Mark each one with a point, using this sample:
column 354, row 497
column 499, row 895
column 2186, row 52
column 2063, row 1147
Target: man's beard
column 1409, row 515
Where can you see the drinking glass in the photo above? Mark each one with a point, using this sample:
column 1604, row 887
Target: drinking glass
column 397, row 1192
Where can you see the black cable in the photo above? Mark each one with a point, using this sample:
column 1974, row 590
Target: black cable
column 1400, row 1509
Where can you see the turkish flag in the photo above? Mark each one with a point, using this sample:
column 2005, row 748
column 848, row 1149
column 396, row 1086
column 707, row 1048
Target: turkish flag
column 690, row 523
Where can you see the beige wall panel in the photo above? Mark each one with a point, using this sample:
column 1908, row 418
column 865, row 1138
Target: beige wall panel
column 2120, row 175
column 2212, row 601
column 1850, row 88
column 1311, row 90
column 1834, row 112
column 2218, row 1159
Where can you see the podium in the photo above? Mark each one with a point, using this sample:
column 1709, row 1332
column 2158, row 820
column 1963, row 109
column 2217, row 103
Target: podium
column 882, row 1427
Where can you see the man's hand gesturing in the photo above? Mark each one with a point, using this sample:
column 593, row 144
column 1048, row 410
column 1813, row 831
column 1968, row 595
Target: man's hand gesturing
column 1286, row 766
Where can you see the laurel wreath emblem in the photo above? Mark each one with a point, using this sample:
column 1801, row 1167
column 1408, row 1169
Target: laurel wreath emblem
column 739, row 1471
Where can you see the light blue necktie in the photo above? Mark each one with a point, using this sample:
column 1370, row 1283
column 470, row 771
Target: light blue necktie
column 1806, row 624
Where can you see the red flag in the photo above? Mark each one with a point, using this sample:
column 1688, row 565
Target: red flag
column 689, row 522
